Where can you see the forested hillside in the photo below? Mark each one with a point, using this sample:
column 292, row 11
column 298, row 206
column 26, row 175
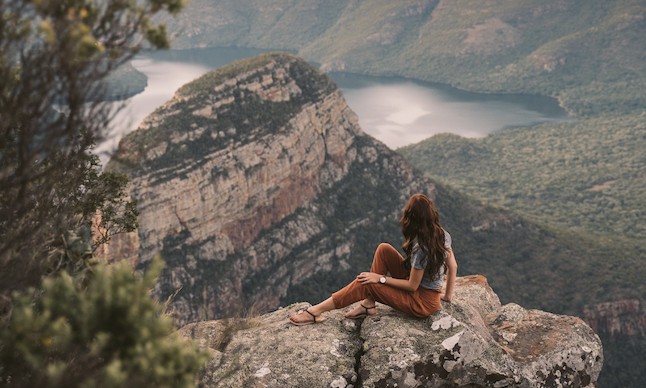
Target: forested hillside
column 589, row 54
column 586, row 175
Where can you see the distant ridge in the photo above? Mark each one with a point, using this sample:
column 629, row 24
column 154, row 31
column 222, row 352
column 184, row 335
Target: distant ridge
column 588, row 54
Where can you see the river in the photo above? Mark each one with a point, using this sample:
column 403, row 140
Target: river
column 396, row 111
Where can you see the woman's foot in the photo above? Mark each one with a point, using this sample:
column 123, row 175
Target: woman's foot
column 362, row 310
column 305, row 317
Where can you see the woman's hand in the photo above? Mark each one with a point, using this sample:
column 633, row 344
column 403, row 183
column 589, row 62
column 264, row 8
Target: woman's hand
column 368, row 277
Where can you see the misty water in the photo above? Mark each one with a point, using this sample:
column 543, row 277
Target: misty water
column 397, row 111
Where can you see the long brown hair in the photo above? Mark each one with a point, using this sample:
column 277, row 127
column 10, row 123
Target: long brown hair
column 421, row 221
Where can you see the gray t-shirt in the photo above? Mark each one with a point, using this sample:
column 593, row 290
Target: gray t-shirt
column 419, row 259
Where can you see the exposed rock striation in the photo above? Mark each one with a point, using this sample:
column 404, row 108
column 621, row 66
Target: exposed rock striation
column 474, row 342
column 625, row 317
column 255, row 179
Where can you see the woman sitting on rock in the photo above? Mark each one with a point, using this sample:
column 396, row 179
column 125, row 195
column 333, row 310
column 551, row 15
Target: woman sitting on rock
column 415, row 283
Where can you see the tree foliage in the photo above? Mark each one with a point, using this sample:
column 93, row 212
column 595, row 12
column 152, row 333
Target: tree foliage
column 102, row 331
column 584, row 175
column 67, row 321
column 54, row 56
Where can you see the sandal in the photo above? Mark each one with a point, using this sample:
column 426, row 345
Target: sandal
column 363, row 314
column 308, row 322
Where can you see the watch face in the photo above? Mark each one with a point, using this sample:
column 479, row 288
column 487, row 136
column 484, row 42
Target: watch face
column 382, row 280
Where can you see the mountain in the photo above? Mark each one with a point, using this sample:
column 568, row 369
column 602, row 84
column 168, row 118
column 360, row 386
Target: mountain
column 255, row 179
column 258, row 188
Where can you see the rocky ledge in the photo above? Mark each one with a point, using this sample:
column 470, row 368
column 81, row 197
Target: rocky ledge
column 474, row 341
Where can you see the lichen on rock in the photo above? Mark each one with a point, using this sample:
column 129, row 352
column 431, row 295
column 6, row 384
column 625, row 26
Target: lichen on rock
column 472, row 342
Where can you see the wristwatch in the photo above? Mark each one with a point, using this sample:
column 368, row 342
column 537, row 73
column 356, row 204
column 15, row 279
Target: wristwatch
column 382, row 280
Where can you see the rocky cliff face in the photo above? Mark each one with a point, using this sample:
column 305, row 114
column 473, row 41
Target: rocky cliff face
column 625, row 317
column 621, row 325
column 473, row 342
column 255, row 179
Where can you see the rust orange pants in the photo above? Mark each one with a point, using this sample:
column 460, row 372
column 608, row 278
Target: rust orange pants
column 420, row 303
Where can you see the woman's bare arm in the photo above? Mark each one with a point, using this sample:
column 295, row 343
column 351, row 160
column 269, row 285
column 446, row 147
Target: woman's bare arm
column 411, row 284
column 451, row 273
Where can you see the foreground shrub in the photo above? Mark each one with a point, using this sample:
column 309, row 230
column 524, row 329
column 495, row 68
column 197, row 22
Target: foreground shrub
column 104, row 331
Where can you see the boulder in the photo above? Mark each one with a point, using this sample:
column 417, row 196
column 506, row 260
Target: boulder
column 474, row 341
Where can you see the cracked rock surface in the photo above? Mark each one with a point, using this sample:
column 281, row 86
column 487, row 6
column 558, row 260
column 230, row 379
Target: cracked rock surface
column 472, row 342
